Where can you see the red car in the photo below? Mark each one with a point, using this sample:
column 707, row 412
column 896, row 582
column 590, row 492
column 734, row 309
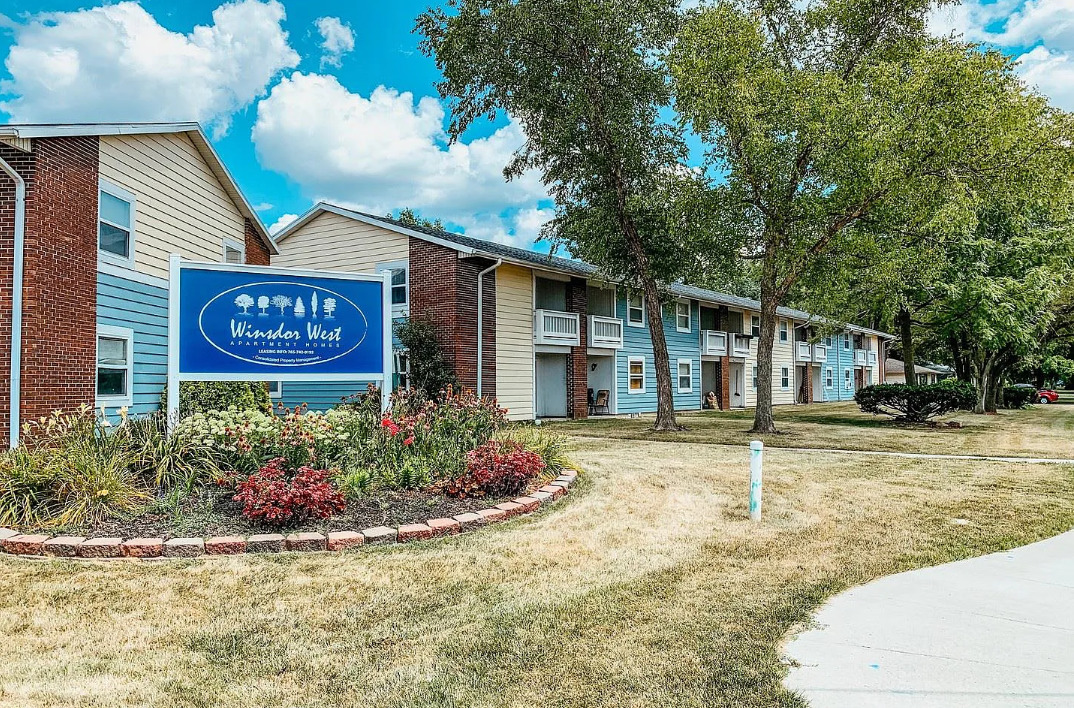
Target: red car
column 1047, row 395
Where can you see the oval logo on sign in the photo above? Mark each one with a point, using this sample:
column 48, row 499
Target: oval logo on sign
column 283, row 323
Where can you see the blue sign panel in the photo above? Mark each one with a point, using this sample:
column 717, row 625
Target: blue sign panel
column 245, row 322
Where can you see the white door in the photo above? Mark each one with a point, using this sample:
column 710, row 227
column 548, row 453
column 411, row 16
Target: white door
column 818, row 386
column 737, row 381
column 551, row 385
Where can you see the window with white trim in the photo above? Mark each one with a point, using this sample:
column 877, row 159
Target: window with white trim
column 401, row 368
column 234, row 251
column 846, row 342
column 828, row 341
column 783, row 335
column 682, row 316
column 275, row 389
column 785, row 378
column 848, row 383
column 635, row 311
column 636, row 374
column 755, row 325
column 686, row 375
column 755, row 377
column 400, row 284
column 829, row 378
column 115, row 224
column 115, row 365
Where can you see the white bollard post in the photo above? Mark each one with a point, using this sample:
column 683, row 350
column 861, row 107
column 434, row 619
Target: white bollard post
column 756, row 453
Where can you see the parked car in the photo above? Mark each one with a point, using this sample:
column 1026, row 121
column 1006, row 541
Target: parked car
column 1047, row 395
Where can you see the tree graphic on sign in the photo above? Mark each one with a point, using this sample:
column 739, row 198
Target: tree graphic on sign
column 300, row 309
column 282, row 302
column 245, row 302
column 262, row 304
column 313, row 304
column 329, row 307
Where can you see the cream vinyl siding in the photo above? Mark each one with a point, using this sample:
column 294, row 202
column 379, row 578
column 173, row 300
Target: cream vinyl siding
column 783, row 355
column 181, row 205
column 334, row 242
column 514, row 341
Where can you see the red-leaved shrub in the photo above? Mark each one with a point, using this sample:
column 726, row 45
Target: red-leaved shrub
column 272, row 497
column 496, row 469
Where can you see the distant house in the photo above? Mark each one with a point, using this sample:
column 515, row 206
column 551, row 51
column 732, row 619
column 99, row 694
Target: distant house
column 894, row 372
column 89, row 214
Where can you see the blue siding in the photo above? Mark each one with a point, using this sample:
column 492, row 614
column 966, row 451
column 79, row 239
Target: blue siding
column 637, row 342
column 840, row 360
column 144, row 310
column 318, row 395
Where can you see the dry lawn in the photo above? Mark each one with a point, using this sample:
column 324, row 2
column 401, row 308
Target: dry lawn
column 646, row 587
column 1041, row 431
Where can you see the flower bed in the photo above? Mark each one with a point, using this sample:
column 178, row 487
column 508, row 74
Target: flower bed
column 249, row 471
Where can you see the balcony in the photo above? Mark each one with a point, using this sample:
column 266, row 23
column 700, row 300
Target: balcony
column 555, row 327
column 861, row 357
column 740, row 345
column 803, row 352
column 713, row 343
column 605, row 332
column 820, row 352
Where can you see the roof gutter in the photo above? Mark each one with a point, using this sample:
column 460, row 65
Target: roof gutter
column 16, row 302
column 481, row 319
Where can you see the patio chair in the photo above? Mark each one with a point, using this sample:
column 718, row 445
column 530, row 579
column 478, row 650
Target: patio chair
column 601, row 401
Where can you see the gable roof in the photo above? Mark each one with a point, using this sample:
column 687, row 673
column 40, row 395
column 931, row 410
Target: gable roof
column 29, row 131
column 895, row 366
column 512, row 254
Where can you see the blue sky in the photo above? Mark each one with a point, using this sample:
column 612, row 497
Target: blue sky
column 333, row 100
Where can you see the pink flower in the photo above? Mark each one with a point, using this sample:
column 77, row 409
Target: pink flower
column 409, row 441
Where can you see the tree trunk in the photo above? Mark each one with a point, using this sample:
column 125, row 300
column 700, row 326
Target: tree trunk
column 665, row 402
column 906, row 336
column 983, row 377
column 762, row 417
column 993, row 395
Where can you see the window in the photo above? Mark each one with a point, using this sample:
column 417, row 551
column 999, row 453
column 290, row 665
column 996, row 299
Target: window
column 828, row 341
column 401, row 374
column 115, row 364
column 636, row 374
column 783, row 330
column 755, row 325
column 755, row 377
column 829, row 378
column 635, row 313
column 847, row 383
column 784, row 378
column 400, row 284
column 682, row 316
column 115, row 224
column 275, row 389
column 846, row 342
column 686, row 375
column 234, row 252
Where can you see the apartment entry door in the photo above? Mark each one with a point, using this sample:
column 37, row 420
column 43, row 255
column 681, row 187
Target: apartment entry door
column 737, row 380
column 551, row 385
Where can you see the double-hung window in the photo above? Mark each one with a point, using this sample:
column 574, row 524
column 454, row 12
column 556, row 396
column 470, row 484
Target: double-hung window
column 115, row 224
column 275, row 389
column 828, row 341
column 755, row 325
column 636, row 374
column 785, row 378
column 682, row 316
column 234, row 251
column 829, row 378
column 686, row 375
column 848, row 383
column 783, row 334
column 400, row 284
column 115, row 365
column 402, row 369
column 846, row 342
column 755, row 377
column 635, row 311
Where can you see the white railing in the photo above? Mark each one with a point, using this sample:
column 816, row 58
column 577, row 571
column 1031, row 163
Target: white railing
column 802, row 351
column 605, row 332
column 872, row 358
column 820, row 352
column 860, row 357
column 740, row 345
column 554, row 327
column 713, row 342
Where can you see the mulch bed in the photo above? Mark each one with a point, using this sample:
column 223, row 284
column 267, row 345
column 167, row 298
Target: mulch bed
column 212, row 512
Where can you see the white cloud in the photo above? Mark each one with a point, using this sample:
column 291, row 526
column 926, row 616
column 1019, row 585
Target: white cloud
column 117, row 63
column 337, row 39
column 1052, row 73
column 388, row 151
column 282, row 223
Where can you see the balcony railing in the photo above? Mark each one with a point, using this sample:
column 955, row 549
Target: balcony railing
column 872, row 358
column 605, row 332
column 740, row 345
column 554, row 327
column 803, row 352
column 820, row 352
column 713, row 342
column 860, row 357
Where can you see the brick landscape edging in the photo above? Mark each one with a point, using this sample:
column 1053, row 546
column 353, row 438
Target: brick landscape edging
column 42, row 546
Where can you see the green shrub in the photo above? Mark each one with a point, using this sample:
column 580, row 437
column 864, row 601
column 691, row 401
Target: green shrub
column 550, row 445
column 1016, row 397
column 205, row 396
column 175, row 462
column 429, row 372
column 916, row 404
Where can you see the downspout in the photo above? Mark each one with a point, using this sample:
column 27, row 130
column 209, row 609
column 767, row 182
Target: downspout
column 16, row 302
column 481, row 320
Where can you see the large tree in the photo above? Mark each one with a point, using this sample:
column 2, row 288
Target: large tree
column 586, row 82
column 820, row 114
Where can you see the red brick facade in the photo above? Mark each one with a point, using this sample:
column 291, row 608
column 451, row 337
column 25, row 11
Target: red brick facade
column 577, row 361
column 443, row 290
column 60, row 285
column 257, row 253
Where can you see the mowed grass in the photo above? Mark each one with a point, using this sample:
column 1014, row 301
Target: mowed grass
column 647, row 586
column 1041, row 431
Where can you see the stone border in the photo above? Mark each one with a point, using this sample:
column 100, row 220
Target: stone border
column 42, row 546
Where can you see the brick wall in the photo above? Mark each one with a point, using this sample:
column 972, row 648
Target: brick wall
column 443, row 290
column 577, row 361
column 257, row 253
column 60, row 285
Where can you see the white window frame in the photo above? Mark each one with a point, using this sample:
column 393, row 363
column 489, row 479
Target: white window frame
column 848, row 381
column 640, row 308
column 846, row 342
column 630, row 362
column 278, row 393
column 398, row 308
column 678, row 375
column 118, row 192
column 754, row 378
column 785, row 375
column 755, row 330
column 829, row 378
column 110, row 332
column 234, row 245
column 784, row 331
column 828, row 341
column 399, row 358
column 689, row 316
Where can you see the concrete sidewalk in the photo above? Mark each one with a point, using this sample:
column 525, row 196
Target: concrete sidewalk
column 986, row 632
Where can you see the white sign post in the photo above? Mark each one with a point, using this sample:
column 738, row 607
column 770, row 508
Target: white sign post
column 756, row 455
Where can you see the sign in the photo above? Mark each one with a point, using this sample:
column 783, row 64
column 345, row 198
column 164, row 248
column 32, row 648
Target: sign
column 232, row 322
